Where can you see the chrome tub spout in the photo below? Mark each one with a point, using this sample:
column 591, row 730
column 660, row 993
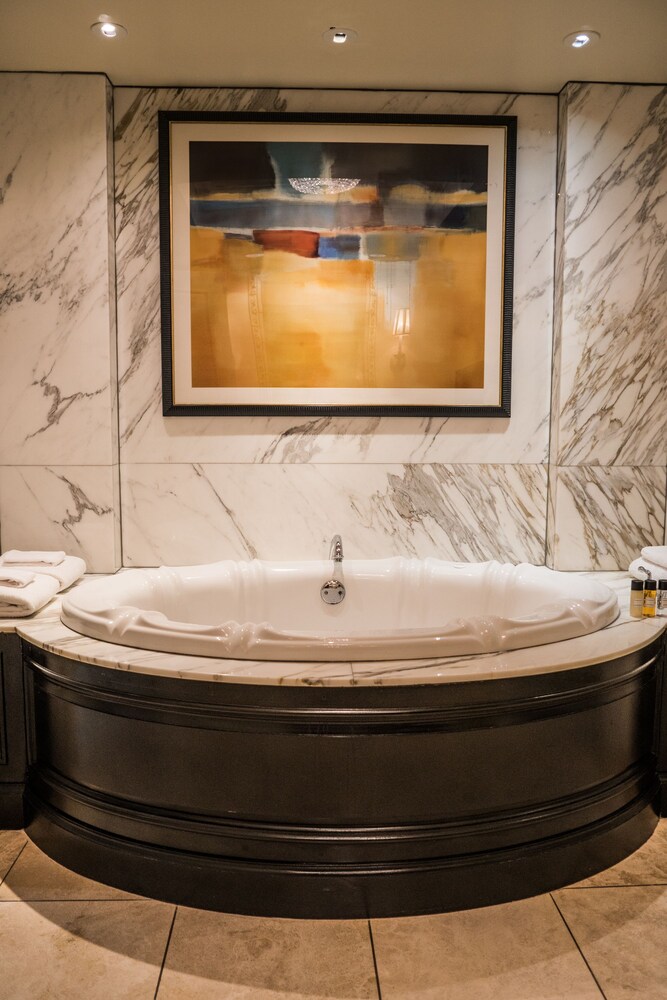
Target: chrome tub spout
column 336, row 550
column 333, row 590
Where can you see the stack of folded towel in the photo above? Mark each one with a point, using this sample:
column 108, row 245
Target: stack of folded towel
column 28, row 580
column 652, row 561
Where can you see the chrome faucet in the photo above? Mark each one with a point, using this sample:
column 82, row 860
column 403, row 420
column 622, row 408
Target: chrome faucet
column 333, row 591
column 336, row 550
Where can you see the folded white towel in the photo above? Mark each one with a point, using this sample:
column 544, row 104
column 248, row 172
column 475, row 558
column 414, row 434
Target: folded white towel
column 657, row 554
column 16, row 557
column 70, row 570
column 17, row 602
column 657, row 572
column 15, row 577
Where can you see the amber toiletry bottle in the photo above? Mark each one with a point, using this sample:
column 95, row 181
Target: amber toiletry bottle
column 649, row 599
column 637, row 598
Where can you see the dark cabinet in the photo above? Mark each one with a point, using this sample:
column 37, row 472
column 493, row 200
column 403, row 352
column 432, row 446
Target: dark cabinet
column 12, row 734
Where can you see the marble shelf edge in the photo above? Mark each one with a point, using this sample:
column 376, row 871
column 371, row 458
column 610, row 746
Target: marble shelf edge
column 625, row 635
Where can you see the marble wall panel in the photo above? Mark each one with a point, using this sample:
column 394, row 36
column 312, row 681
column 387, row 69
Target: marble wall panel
column 559, row 257
column 146, row 436
column 549, row 548
column 188, row 513
column 56, row 308
column 59, row 484
column 609, row 422
column 279, row 487
column 111, row 277
column 74, row 508
column 610, row 407
column 604, row 516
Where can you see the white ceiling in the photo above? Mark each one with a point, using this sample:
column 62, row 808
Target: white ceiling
column 506, row 45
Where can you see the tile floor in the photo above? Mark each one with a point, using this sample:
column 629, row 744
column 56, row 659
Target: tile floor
column 63, row 936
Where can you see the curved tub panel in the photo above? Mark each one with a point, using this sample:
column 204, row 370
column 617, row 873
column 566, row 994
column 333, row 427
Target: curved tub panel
column 393, row 609
column 341, row 802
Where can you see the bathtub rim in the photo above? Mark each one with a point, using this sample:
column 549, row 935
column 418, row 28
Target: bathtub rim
column 626, row 635
column 616, row 640
column 557, row 619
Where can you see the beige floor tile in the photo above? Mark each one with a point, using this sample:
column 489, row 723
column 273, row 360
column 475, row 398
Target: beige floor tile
column 227, row 957
column 109, row 950
column 647, row 866
column 12, row 843
column 623, row 934
column 35, row 876
column 517, row 951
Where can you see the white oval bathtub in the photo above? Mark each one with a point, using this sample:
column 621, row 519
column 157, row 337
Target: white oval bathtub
column 393, row 609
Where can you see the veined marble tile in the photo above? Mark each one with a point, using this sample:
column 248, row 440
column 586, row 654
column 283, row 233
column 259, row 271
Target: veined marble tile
column 56, row 312
column 613, row 362
column 622, row 933
column 75, row 950
column 558, row 280
column 146, row 436
column 35, row 876
column 111, row 276
column 603, row 517
column 62, row 507
column 182, row 514
column 645, row 866
column 12, row 842
column 517, row 951
column 220, row 956
column 552, row 480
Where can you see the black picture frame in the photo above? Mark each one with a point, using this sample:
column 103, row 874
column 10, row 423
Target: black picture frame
column 489, row 397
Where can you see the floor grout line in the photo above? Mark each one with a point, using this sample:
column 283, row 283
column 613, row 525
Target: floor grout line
column 595, row 978
column 375, row 964
column 166, row 949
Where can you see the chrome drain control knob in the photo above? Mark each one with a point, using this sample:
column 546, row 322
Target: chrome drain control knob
column 332, row 592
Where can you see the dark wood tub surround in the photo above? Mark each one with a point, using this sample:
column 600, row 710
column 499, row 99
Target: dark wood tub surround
column 12, row 734
column 343, row 801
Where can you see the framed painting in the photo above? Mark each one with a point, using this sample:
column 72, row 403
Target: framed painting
column 330, row 264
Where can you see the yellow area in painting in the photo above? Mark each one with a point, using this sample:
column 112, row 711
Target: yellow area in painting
column 271, row 318
column 419, row 195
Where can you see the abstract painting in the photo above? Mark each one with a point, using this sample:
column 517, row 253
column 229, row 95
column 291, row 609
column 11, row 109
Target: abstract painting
column 336, row 264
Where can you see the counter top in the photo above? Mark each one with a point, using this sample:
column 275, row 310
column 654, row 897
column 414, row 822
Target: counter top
column 625, row 635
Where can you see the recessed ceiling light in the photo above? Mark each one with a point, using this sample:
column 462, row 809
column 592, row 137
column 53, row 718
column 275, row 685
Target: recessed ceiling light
column 339, row 36
column 581, row 39
column 104, row 27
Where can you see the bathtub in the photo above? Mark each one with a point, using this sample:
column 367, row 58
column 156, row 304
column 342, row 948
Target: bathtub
column 357, row 796
column 393, row 608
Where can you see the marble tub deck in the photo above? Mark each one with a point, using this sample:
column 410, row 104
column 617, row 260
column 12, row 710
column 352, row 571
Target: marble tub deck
column 625, row 635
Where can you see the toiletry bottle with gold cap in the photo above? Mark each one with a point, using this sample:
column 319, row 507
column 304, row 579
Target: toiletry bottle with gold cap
column 661, row 599
column 648, row 610
column 637, row 598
